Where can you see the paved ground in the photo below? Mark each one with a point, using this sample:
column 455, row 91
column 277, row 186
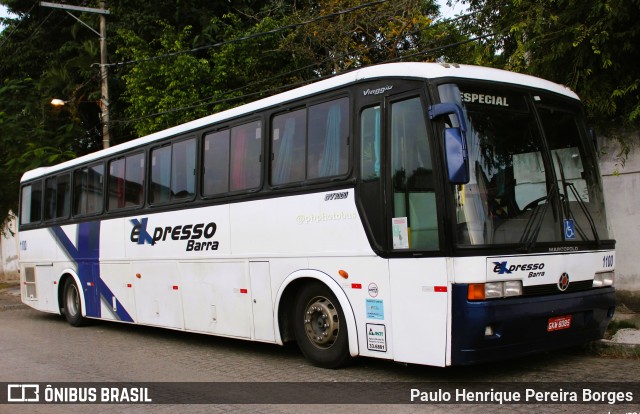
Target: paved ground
column 38, row 347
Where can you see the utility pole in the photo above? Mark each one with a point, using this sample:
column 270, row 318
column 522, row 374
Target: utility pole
column 104, row 73
column 104, row 76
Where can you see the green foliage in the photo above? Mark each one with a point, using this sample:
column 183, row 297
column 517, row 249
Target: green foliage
column 384, row 32
column 29, row 137
column 241, row 54
column 247, row 54
column 196, row 57
column 159, row 87
column 591, row 46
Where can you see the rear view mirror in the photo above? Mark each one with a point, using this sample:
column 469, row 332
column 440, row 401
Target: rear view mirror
column 456, row 156
column 455, row 143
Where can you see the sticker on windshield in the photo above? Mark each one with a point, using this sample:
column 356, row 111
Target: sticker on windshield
column 569, row 229
column 486, row 99
column 400, row 230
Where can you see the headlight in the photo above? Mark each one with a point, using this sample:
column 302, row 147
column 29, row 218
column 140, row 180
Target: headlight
column 604, row 279
column 493, row 290
column 513, row 288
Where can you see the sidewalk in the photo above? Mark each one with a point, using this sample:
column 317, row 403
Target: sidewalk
column 629, row 323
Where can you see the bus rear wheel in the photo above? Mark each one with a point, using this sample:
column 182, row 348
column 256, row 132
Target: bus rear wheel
column 320, row 327
column 73, row 303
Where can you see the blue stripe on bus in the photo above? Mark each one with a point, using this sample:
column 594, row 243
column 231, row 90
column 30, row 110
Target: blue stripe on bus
column 87, row 258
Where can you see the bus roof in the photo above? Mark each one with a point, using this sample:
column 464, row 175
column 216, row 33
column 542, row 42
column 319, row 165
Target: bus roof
column 389, row 70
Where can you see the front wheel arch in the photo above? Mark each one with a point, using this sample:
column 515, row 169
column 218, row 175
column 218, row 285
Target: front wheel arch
column 286, row 299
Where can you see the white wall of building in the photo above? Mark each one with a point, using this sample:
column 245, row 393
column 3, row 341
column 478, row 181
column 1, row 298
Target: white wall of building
column 621, row 181
column 9, row 253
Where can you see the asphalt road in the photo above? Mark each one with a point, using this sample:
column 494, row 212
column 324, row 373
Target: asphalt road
column 42, row 348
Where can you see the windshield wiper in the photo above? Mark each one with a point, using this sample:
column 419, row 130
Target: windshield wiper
column 567, row 208
column 534, row 223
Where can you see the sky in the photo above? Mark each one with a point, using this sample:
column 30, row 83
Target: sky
column 3, row 10
column 455, row 9
column 3, row 13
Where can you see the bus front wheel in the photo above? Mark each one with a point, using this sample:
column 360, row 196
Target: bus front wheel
column 73, row 303
column 320, row 327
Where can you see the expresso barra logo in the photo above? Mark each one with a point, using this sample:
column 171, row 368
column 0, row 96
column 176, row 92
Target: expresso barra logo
column 504, row 267
column 196, row 237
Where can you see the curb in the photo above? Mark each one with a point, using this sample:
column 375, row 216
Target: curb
column 608, row 343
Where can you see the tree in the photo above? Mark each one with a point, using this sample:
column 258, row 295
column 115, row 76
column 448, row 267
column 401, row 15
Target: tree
column 591, row 46
column 364, row 36
column 29, row 136
column 280, row 45
column 189, row 59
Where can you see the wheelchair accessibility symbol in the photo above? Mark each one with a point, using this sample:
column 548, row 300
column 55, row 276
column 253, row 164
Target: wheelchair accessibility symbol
column 569, row 229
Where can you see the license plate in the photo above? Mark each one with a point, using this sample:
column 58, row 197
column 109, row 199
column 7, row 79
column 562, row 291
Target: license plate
column 559, row 322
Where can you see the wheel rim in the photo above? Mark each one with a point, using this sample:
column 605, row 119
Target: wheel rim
column 321, row 322
column 73, row 300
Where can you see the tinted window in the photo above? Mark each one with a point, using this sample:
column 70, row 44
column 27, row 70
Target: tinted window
column 126, row 182
column 370, row 141
column 328, row 139
column 57, row 197
column 289, row 145
column 310, row 143
column 173, row 172
column 414, row 223
column 215, row 159
column 246, row 151
column 31, row 207
column 183, row 169
column 88, row 190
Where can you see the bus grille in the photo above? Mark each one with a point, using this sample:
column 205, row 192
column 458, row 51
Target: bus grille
column 553, row 289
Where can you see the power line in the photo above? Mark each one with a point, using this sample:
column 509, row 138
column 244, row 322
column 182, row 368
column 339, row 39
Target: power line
column 197, row 104
column 16, row 26
column 252, row 36
column 301, row 83
column 35, row 31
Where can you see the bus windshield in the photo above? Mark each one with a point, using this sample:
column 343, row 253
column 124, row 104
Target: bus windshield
column 534, row 176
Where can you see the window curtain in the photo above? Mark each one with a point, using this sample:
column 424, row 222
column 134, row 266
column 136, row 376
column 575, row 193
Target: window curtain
column 331, row 156
column 238, row 177
column 284, row 160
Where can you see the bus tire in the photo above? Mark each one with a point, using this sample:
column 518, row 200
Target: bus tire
column 72, row 301
column 320, row 327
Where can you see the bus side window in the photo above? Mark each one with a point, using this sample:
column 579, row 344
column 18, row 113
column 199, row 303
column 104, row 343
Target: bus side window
column 134, row 180
column 126, row 182
column 116, row 184
column 371, row 191
column 183, row 169
column 215, row 162
column 31, row 203
column 173, row 169
column 246, row 153
column 370, row 141
column 88, row 190
column 288, row 143
column 57, row 197
column 414, row 197
column 328, row 133
column 160, row 175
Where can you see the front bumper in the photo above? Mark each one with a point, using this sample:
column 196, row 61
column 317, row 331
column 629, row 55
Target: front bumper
column 519, row 324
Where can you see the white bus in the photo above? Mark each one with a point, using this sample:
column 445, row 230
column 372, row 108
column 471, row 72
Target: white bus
column 417, row 212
